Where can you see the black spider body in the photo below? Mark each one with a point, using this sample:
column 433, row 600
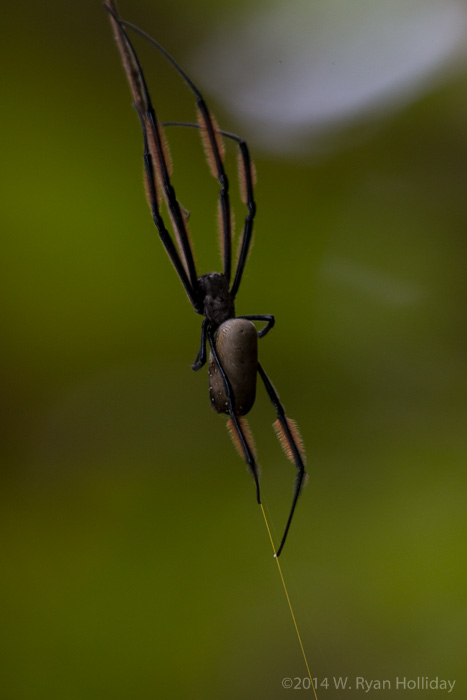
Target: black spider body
column 233, row 341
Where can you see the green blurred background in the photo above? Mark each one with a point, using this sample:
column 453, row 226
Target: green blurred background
column 134, row 559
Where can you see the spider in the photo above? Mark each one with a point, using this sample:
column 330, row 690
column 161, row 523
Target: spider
column 233, row 340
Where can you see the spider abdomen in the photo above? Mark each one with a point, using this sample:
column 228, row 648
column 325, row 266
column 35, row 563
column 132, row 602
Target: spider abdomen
column 237, row 349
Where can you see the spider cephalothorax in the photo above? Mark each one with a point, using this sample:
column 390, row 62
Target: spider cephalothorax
column 219, row 304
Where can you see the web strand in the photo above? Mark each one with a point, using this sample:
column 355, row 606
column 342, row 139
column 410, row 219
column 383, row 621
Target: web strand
column 288, row 601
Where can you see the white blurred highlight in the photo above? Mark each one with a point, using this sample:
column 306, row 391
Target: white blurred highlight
column 288, row 69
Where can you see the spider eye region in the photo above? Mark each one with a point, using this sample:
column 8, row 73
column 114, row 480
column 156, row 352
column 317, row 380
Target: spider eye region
column 218, row 302
column 237, row 349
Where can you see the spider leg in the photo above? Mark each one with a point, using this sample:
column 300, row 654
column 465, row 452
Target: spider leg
column 247, row 177
column 156, row 152
column 213, row 147
column 243, row 438
column 267, row 318
column 163, row 233
column 200, row 360
column 291, row 441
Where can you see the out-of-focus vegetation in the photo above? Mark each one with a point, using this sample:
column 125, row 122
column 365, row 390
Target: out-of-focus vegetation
column 133, row 558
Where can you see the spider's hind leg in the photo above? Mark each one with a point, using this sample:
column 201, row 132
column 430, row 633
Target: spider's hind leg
column 291, row 441
column 237, row 425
